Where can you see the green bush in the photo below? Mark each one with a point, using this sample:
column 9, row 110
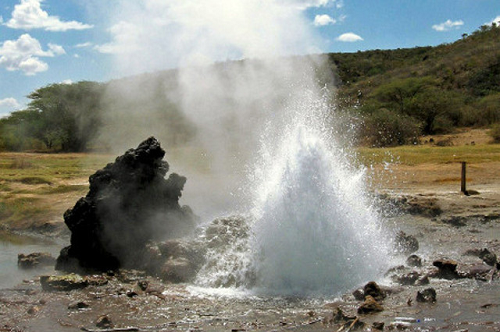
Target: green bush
column 385, row 128
column 495, row 133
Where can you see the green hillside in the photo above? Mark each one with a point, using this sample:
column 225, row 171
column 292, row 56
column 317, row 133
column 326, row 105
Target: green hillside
column 404, row 93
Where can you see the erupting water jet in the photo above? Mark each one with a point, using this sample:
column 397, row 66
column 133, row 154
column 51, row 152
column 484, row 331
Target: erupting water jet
column 313, row 227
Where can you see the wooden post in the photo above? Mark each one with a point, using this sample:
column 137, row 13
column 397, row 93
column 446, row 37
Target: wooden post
column 463, row 188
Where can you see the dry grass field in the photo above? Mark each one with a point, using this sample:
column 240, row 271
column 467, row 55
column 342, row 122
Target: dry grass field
column 36, row 189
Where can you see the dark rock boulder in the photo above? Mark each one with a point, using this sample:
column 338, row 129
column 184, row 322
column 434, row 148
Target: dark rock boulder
column 359, row 294
column 128, row 204
column 447, row 269
column 374, row 290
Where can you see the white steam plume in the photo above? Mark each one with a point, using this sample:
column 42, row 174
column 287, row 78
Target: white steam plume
column 227, row 104
column 150, row 35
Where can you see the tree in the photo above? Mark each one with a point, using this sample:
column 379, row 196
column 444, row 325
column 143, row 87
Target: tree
column 438, row 110
column 69, row 114
column 397, row 95
column 387, row 128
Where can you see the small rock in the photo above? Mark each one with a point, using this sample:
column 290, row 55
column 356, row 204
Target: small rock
column 341, row 317
column 408, row 279
column 422, row 281
column 405, row 244
column 78, row 305
column 427, row 295
column 447, row 268
column 132, row 294
column 143, row 284
column 373, row 289
column 35, row 260
column 33, row 310
column 359, row 294
column 395, row 270
column 96, row 280
column 369, row 306
column 63, row 283
column 478, row 272
column 414, row 261
column 488, row 257
column 104, row 322
column 30, row 292
column 378, row 326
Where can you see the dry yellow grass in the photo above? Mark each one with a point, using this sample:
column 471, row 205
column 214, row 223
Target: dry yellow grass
column 36, row 189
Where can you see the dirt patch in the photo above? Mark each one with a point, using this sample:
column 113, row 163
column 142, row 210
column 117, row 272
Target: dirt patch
column 464, row 136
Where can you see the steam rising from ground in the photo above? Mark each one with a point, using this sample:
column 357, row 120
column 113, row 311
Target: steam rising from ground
column 208, row 117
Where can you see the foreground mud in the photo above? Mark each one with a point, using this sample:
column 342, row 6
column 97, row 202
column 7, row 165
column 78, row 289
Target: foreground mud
column 131, row 301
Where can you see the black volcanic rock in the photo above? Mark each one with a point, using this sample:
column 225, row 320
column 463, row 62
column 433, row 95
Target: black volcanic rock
column 128, row 204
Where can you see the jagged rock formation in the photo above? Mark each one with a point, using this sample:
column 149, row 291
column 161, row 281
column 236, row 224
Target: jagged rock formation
column 128, row 204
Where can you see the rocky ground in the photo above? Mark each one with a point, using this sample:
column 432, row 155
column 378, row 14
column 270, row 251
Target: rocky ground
column 451, row 282
column 452, row 230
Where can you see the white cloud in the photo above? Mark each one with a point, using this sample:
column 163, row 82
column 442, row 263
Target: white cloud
column 30, row 15
column 304, row 4
column 9, row 103
column 83, row 45
column 126, row 39
column 23, row 54
column 68, row 81
column 322, row 20
column 448, row 25
column 56, row 49
column 496, row 20
column 349, row 37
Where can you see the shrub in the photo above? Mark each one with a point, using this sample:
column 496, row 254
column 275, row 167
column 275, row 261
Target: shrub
column 385, row 128
column 495, row 133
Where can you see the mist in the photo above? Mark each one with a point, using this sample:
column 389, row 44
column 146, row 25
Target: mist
column 208, row 79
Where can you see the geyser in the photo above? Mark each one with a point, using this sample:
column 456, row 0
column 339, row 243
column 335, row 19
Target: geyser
column 313, row 229
column 309, row 224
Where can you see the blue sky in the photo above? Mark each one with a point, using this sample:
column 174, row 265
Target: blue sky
column 56, row 41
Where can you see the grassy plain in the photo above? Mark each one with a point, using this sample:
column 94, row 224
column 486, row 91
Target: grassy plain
column 36, row 189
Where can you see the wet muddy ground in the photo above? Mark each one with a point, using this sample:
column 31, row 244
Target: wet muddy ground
column 131, row 301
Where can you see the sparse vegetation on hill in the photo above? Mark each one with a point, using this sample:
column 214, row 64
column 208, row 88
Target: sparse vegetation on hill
column 398, row 95
column 438, row 88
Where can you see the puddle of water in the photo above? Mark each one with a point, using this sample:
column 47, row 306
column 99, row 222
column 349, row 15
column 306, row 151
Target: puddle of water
column 11, row 246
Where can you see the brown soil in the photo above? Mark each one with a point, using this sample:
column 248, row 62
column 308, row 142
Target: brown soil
column 461, row 137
